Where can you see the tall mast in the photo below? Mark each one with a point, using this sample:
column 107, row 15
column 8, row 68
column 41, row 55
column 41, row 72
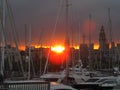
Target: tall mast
column 67, row 35
column 90, row 40
column 14, row 32
column 29, row 45
column 2, row 26
column 25, row 36
column 67, row 43
column 112, row 49
column 110, row 26
column 90, row 17
column 79, row 39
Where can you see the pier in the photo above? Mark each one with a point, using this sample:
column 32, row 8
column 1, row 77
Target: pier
column 25, row 85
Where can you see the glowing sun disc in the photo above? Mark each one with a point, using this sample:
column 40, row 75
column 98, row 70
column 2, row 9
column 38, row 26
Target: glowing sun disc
column 58, row 49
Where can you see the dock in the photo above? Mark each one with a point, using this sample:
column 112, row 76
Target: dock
column 25, row 85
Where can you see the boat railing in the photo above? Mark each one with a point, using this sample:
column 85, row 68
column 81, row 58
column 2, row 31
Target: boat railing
column 25, row 85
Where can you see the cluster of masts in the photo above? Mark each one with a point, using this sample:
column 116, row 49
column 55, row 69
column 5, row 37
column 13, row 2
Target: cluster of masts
column 5, row 9
column 5, row 5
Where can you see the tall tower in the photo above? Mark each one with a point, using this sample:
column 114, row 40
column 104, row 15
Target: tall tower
column 102, row 39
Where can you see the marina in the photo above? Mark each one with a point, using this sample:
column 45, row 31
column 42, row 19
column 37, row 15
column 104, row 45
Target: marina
column 44, row 64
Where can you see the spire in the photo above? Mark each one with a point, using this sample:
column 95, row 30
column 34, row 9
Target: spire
column 102, row 38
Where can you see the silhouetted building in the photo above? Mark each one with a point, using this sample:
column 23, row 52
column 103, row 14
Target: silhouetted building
column 102, row 40
column 84, row 52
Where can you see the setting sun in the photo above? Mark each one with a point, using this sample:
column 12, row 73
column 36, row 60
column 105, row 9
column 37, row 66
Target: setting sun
column 58, row 49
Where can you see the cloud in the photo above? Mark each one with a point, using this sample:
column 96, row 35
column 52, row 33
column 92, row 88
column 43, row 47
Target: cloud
column 43, row 13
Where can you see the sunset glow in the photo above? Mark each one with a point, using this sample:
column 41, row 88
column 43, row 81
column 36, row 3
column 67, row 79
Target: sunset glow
column 96, row 46
column 57, row 55
column 58, row 48
column 22, row 48
column 37, row 46
column 87, row 25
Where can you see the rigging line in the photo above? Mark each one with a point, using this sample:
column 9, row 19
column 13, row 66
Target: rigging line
column 3, row 18
column 58, row 15
column 10, row 14
column 11, row 18
column 72, row 24
column 110, row 26
column 79, row 26
column 2, row 46
column 110, row 36
column 40, row 37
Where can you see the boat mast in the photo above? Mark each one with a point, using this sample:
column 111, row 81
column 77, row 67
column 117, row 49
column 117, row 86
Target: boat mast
column 111, row 38
column 110, row 27
column 90, row 41
column 29, row 53
column 67, row 43
column 10, row 15
column 67, row 36
column 79, row 38
column 2, row 26
column 25, row 36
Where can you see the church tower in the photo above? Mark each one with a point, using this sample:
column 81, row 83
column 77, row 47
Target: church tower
column 103, row 45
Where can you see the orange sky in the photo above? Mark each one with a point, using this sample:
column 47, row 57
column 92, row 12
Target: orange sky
column 42, row 14
column 96, row 46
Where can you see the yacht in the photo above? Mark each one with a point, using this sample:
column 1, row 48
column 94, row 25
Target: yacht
column 59, row 86
column 76, row 75
column 52, row 76
column 99, row 82
column 109, row 84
